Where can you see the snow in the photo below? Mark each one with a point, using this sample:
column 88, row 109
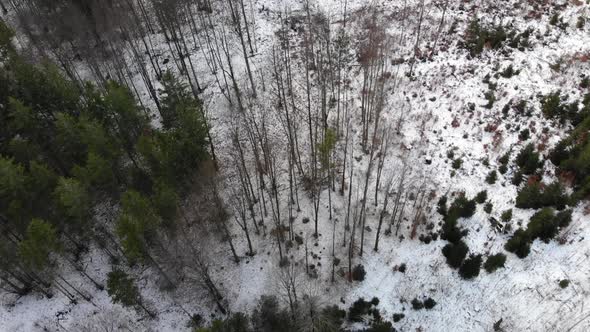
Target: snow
column 525, row 294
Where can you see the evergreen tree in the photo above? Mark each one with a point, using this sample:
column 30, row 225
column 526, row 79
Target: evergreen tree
column 40, row 241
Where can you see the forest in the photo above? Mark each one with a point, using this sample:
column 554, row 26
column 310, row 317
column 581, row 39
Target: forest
column 264, row 165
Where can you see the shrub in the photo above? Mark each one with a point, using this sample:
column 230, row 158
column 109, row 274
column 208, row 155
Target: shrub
column 543, row 225
column 455, row 253
column 494, row 262
column 269, row 316
column 398, row 317
column 517, row 178
column 488, row 207
column 519, row 243
column 481, row 196
column 563, row 218
column 509, row 72
column 462, row 208
column 402, row 268
column 334, row 315
column 503, row 169
column 429, row 303
column 451, row 232
column 506, row 215
column 478, row 37
column 358, row 309
column 492, row 177
column 551, row 105
column 442, row 206
column 375, row 301
column 505, row 158
column 585, row 83
column 457, row 163
column 381, row 326
column 524, row 134
column 491, row 98
column 528, row 160
column 417, row 304
column 581, row 22
column 470, row 267
column 564, row 283
column 358, row 273
column 534, row 196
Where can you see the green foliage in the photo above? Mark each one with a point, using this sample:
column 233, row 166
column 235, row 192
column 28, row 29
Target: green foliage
column 6, row 35
column 535, row 196
column 488, row 207
column 492, row 177
column 506, row 215
column 519, row 243
column 429, row 303
column 417, row 304
column 524, row 134
column 137, row 223
column 481, row 196
column 457, row 163
column 564, row 283
column 73, row 199
column 462, row 207
column 358, row 273
column 122, row 288
column 528, row 160
column 478, row 37
column 470, row 267
column 543, row 225
column 509, row 72
column 359, row 309
column 40, row 241
column 326, row 147
column 268, row 316
column 494, row 262
column 237, row 322
column 442, row 206
column 455, row 253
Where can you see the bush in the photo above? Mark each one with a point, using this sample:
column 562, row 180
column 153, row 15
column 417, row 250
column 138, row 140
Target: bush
column 505, row 158
column 359, row 309
column 462, row 208
column 481, row 196
column 494, row 262
column 506, row 215
column 564, row 283
column 381, row 326
column 517, row 178
column 478, row 37
column 503, row 169
column 563, row 218
column 358, row 273
column 398, row 317
column 509, row 72
column 519, row 243
column 528, row 160
column 269, row 316
column 471, row 266
column 417, row 304
column 429, row 303
column 524, row 134
column 442, row 206
column 457, row 163
column 492, row 177
column 488, row 207
column 543, row 225
column 455, row 253
column 535, row 196
column 581, row 22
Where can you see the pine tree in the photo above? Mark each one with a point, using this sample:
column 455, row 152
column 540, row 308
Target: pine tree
column 40, row 241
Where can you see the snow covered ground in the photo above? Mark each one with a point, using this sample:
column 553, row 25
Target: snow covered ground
column 525, row 295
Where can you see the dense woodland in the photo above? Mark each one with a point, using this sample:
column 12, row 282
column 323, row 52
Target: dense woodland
column 110, row 144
